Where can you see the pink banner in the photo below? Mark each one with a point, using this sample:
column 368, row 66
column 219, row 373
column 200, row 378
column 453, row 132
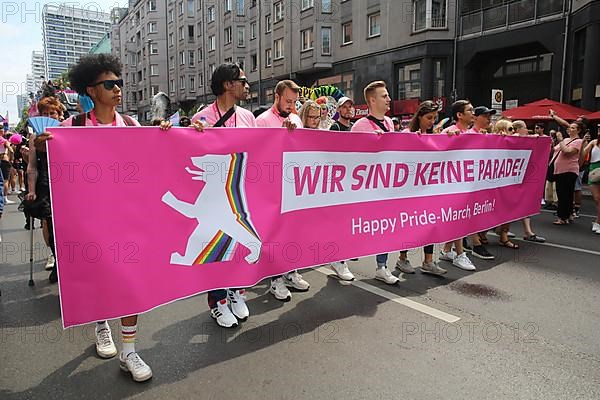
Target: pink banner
column 143, row 217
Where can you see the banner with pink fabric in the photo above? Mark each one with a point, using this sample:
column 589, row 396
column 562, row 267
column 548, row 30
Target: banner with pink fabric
column 143, row 217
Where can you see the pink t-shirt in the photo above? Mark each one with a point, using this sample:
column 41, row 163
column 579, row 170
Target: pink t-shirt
column 567, row 162
column 90, row 121
column 241, row 118
column 456, row 127
column 272, row 119
column 366, row 125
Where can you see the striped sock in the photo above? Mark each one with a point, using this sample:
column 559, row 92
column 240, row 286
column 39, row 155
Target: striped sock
column 128, row 338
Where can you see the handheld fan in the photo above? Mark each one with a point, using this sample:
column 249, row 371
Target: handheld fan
column 40, row 124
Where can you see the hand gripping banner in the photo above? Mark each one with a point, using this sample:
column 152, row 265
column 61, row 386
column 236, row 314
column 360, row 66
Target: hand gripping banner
column 144, row 217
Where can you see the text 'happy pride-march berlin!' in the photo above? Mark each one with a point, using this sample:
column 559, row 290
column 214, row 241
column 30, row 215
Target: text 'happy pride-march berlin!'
column 232, row 206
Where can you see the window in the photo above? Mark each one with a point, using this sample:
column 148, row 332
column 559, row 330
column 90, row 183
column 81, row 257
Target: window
column 211, row 69
column 253, row 30
column 278, row 45
column 181, row 34
column 439, row 77
column 374, row 26
column 200, row 79
column 172, row 62
column 306, row 39
column 347, row 33
column 191, row 33
column 210, row 14
column 241, row 36
column 153, row 48
column 409, row 81
column 429, row 14
column 181, row 8
column 227, row 35
column 172, row 85
column 155, row 89
column 227, row 5
column 211, row 43
column 181, row 82
column 278, row 11
column 326, row 6
column 182, row 58
column 306, row 4
column 326, row 41
column 171, row 16
column 151, row 27
column 171, row 39
column 153, row 70
column 191, row 58
column 229, row 60
column 268, row 57
column 190, row 8
column 192, row 83
column 152, row 5
column 241, row 61
column 254, row 62
column 199, row 54
column 268, row 23
column 240, row 7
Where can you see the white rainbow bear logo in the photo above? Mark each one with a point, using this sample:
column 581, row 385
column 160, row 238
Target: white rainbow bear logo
column 221, row 211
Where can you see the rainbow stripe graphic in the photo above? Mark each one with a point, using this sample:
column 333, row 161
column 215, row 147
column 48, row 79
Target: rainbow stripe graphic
column 222, row 246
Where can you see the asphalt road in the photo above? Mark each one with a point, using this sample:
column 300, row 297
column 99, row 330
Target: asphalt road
column 524, row 326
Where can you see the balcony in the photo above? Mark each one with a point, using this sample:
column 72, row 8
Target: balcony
column 508, row 15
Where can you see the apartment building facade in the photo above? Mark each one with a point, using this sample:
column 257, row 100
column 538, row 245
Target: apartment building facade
column 69, row 32
column 531, row 49
column 344, row 43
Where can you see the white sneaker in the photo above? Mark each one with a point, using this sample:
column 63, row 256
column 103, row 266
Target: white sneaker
column 384, row 274
column 279, row 290
column 8, row 201
column 449, row 256
column 237, row 299
column 462, row 261
column 342, row 271
column 105, row 346
column 223, row 315
column 595, row 227
column 50, row 262
column 140, row 371
column 294, row 279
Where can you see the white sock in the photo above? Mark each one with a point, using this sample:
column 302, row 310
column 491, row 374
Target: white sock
column 128, row 339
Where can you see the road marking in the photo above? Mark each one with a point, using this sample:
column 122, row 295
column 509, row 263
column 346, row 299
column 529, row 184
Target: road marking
column 558, row 246
column 449, row 318
column 581, row 215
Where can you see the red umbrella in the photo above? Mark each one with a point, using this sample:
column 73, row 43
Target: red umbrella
column 593, row 116
column 540, row 110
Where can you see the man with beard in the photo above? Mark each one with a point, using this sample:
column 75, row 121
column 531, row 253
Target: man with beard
column 346, row 112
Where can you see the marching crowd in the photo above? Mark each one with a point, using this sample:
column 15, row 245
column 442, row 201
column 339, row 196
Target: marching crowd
column 98, row 77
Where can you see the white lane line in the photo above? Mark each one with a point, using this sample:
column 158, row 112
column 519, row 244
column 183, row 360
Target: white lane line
column 558, row 246
column 449, row 318
column 581, row 215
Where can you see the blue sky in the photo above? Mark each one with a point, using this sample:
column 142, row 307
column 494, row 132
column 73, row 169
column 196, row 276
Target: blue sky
column 21, row 33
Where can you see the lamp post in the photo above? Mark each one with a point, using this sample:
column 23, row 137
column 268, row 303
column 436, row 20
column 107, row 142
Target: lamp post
column 149, row 76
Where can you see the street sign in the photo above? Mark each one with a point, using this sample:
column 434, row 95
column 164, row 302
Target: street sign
column 497, row 99
column 512, row 104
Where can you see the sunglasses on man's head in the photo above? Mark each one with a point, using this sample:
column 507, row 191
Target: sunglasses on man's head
column 510, row 129
column 110, row 84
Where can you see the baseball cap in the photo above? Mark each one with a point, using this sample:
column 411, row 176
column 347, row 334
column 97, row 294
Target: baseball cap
column 343, row 100
column 483, row 110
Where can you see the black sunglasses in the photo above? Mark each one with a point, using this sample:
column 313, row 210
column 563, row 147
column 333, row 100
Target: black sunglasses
column 109, row 84
column 510, row 129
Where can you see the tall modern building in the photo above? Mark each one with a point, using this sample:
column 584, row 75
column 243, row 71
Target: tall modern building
column 531, row 49
column 175, row 46
column 69, row 32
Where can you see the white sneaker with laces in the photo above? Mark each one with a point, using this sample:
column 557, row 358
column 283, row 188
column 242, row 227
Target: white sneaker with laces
column 449, row 256
column 105, row 346
column 279, row 290
column 384, row 274
column 237, row 299
column 133, row 363
column 342, row 271
column 49, row 262
column 294, row 280
column 462, row 261
column 223, row 315
column 595, row 227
